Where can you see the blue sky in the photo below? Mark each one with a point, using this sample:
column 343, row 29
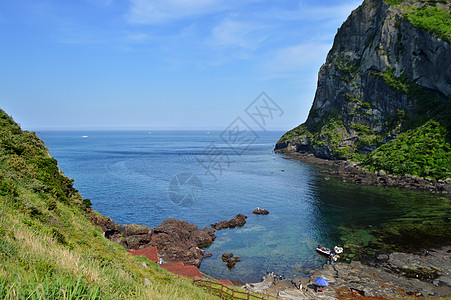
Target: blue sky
column 161, row 64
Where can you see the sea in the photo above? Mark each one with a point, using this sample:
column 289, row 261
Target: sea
column 204, row 177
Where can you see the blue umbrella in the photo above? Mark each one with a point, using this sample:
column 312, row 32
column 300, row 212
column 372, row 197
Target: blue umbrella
column 321, row 281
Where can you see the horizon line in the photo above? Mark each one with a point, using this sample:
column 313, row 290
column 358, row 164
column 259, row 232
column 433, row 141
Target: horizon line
column 138, row 129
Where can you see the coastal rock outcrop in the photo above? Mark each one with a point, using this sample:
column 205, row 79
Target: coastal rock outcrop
column 175, row 240
column 181, row 241
column 384, row 74
column 131, row 236
column 238, row 220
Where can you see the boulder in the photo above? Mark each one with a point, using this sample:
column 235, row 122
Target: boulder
column 238, row 220
column 260, row 211
column 230, row 260
column 181, row 241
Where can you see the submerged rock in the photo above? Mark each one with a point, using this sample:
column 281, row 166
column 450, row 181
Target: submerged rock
column 230, row 260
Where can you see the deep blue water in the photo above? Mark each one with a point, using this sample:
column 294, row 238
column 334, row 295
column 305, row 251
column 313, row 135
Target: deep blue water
column 128, row 174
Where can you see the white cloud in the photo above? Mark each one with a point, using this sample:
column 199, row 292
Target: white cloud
column 160, row 11
column 231, row 33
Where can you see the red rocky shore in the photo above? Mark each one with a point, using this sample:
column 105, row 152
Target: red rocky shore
column 176, row 240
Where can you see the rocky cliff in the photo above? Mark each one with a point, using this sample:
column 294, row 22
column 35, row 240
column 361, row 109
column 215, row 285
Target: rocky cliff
column 389, row 71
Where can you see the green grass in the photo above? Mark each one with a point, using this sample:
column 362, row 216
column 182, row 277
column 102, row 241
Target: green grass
column 48, row 249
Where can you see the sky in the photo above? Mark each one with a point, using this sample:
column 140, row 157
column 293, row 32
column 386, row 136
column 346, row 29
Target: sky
column 161, row 64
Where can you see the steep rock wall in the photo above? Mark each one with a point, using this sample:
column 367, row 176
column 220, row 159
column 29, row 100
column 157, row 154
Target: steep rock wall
column 368, row 86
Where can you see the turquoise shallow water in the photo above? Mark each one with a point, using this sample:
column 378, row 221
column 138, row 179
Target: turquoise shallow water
column 128, row 174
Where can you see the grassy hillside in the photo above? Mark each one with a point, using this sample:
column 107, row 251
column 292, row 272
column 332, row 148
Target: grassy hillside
column 48, row 249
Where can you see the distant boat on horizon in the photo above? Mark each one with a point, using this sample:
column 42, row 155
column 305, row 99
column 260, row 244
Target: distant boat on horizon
column 85, row 136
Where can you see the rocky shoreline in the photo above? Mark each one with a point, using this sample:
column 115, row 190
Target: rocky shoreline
column 351, row 172
column 392, row 275
column 176, row 240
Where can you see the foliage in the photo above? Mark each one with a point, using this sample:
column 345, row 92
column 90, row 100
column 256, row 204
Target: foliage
column 346, row 68
column 48, row 249
column 294, row 133
column 432, row 19
column 424, row 151
column 393, row 2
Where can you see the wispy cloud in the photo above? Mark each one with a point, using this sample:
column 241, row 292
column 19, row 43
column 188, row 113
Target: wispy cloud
column 236, row 34
column 160, row 11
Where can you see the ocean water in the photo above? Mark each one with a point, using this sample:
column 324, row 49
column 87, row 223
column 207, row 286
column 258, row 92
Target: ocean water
column 205, row 177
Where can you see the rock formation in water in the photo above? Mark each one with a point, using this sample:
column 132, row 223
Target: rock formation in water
column 238, row 220
column 386, row 78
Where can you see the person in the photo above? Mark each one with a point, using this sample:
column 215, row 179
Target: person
column 332, row 258
column 283, row 277
column 160, row 261
column 300, row 286
column 267, row 270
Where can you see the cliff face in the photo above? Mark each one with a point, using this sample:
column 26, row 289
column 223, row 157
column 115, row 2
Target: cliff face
column 385, row 73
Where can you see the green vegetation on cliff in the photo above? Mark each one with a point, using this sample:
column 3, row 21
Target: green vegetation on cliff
column 433, row 20
column 423, row 151
column 430, row 17
column 48, row 249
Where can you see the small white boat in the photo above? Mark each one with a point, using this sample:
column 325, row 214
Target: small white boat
column 85, row 136
column 323, row 251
